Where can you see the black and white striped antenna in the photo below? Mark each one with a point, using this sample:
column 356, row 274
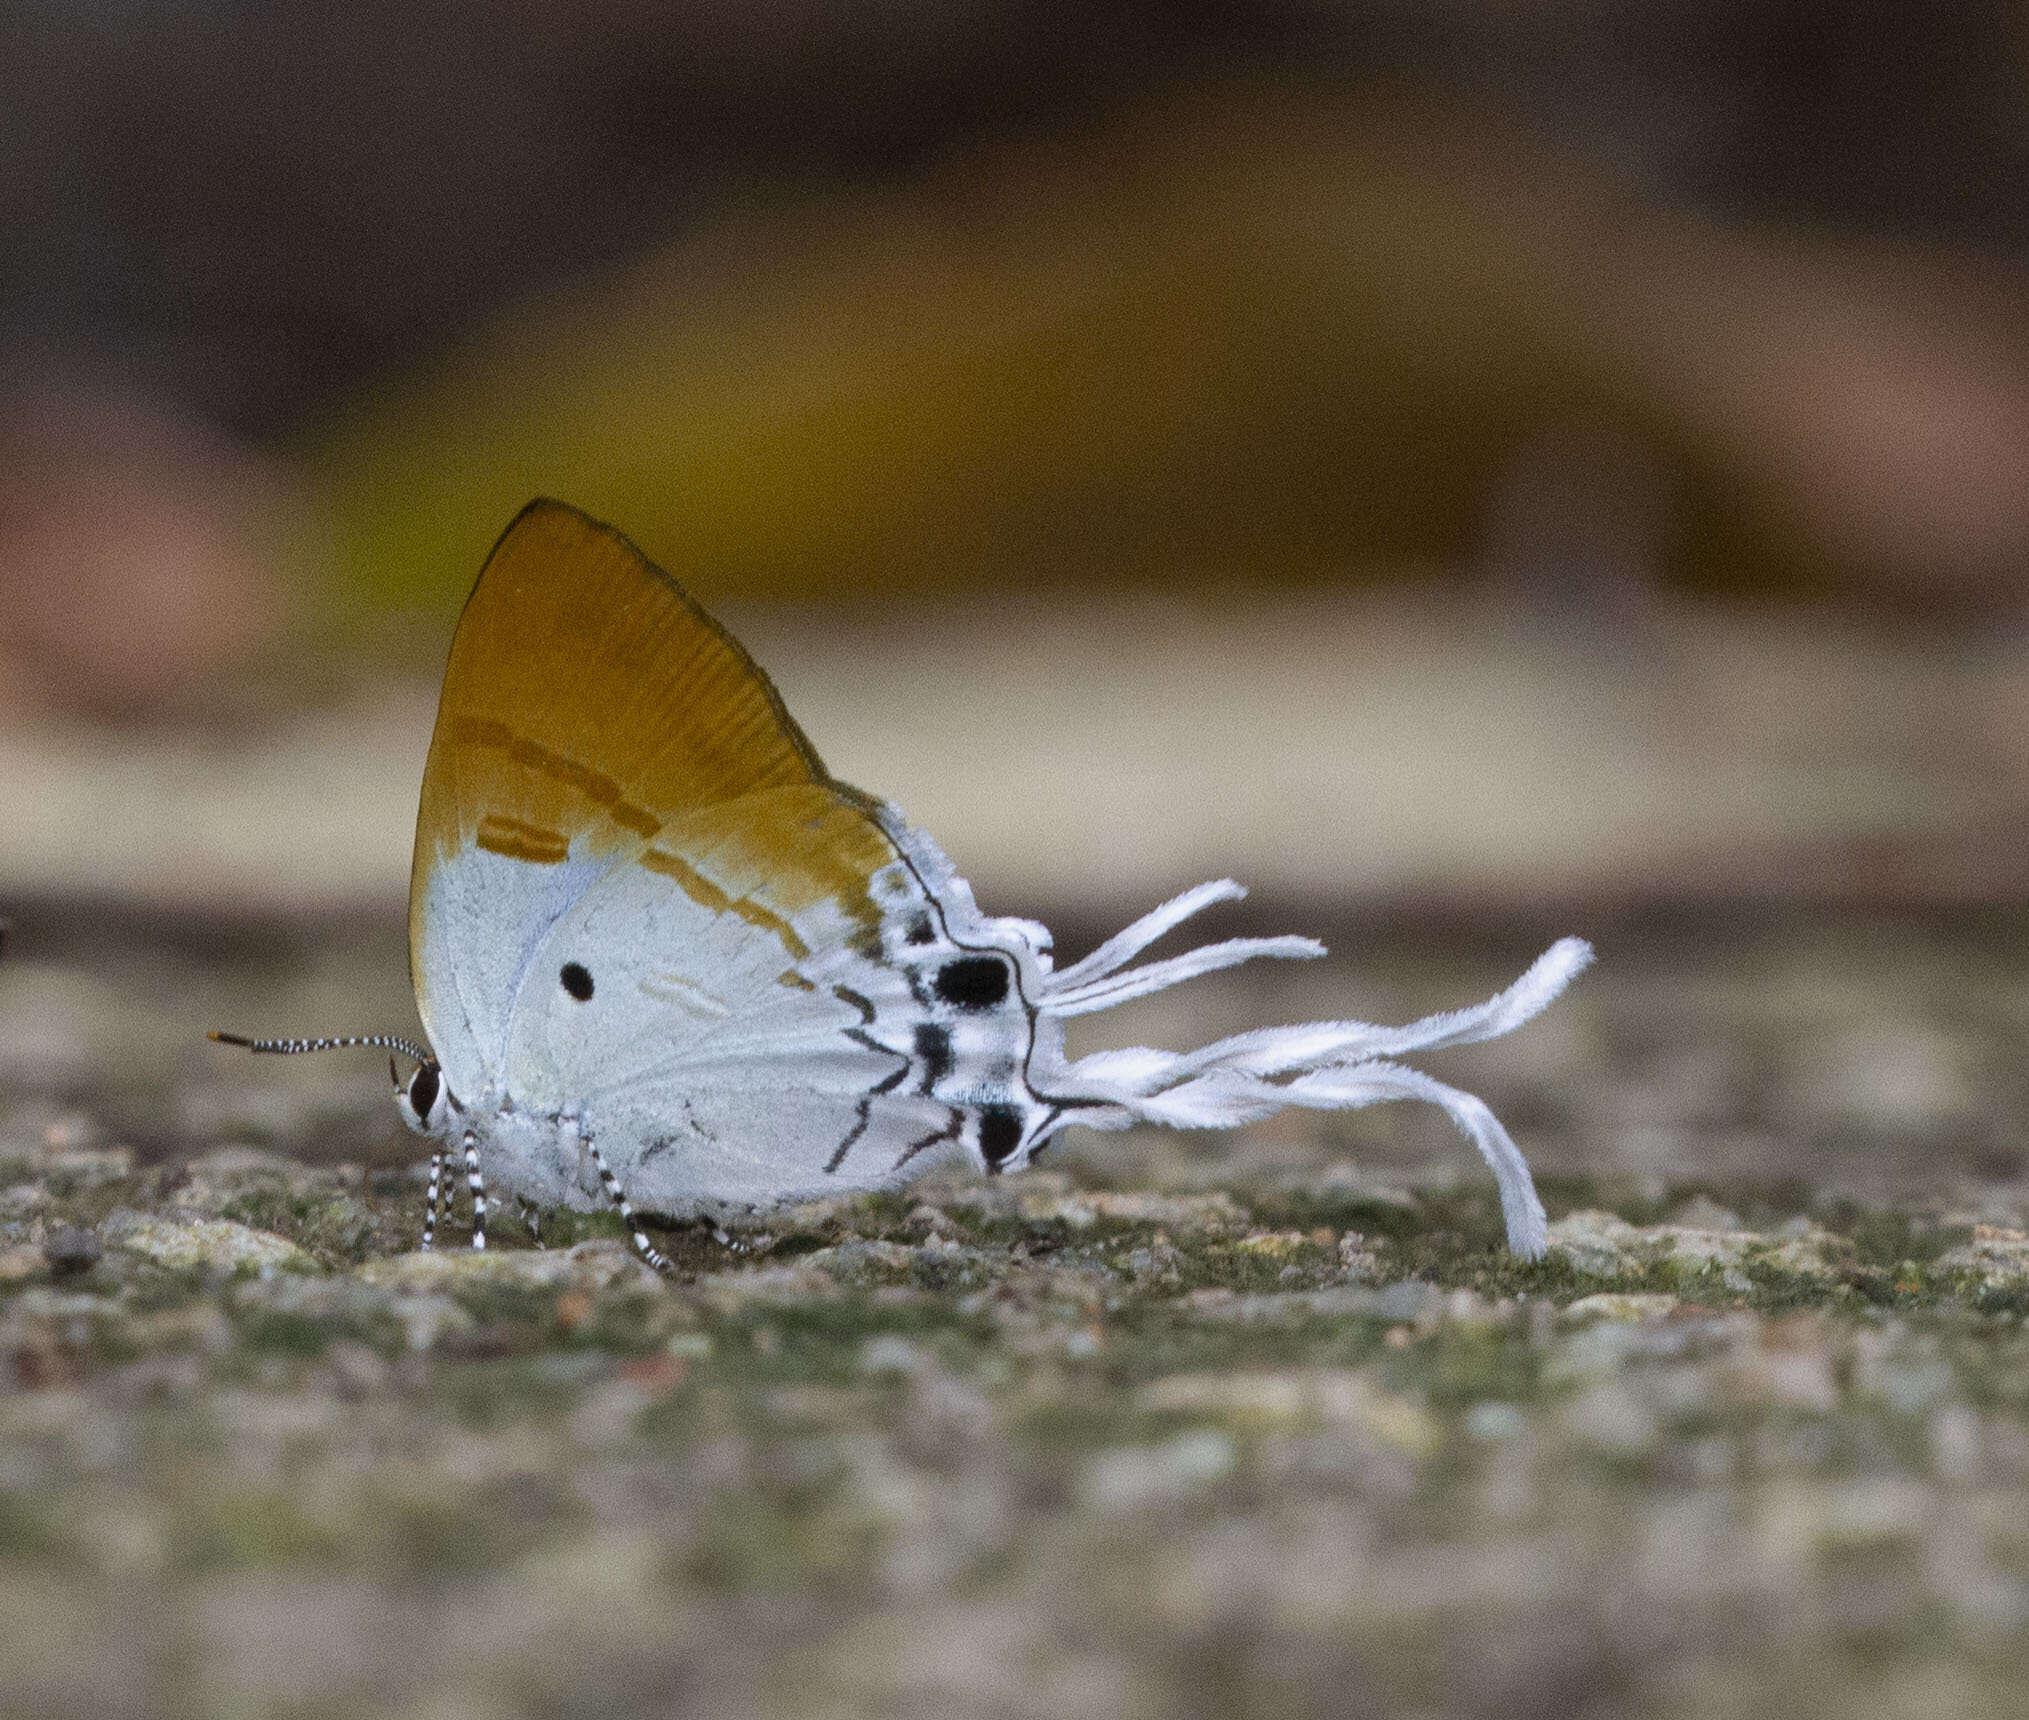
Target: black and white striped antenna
column 292, row 1047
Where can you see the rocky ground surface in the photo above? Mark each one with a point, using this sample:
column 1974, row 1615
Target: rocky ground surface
column 1187, row 1427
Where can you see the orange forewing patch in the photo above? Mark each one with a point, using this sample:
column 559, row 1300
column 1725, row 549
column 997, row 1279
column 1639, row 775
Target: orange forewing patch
column 768, row 857
column 591, row 706
column 519, row 841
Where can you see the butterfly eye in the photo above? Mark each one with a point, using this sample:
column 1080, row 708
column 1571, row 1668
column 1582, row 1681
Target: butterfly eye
column 577, row 981
column 422, row 1101
column 973, row 982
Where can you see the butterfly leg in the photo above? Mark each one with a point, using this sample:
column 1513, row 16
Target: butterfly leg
column 477, row 1184
column 437, row 1189
column 531, row 1215
column 611, row 1184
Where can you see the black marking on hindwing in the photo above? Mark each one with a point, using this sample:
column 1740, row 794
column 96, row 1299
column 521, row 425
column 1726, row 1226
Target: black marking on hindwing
column 973, row 982
column 948, row 986
column 948, row 1133
column 933, row 1052
column 887, row 1084
column 664, row 1143
column 1000, row 1133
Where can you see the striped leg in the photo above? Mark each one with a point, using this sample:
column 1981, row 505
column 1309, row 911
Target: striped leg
column 642, row 1246
column 437, row 1190
column 477, row 1184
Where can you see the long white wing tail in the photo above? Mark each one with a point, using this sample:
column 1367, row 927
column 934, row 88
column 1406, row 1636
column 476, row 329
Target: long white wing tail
column 1320, row 1065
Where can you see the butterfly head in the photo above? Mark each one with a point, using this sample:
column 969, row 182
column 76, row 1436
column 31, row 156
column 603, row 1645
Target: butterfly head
column 423, row 1100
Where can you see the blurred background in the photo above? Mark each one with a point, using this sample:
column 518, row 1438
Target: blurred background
column 1486, row 469
column 1475, row 470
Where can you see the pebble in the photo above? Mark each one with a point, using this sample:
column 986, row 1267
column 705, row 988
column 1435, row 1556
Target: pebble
column 1613, row 1417
column 1602, row 1245
column 69, row 1249
column 1146, row 1477
column 203, row 1244
column 1624, row 1307
column 892, row 1355
column 600, row 1264
column 1329, row 1397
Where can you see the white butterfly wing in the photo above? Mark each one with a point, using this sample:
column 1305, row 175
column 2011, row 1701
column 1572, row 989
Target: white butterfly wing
column 588, row 705
column 644, row 915
column 715, row 1059
column 482, row 923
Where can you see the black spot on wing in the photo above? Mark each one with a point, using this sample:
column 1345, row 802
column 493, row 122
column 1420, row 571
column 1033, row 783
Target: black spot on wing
column 933, row 1054
column 576, row 980
column 1000, row 1132
column 973, row 982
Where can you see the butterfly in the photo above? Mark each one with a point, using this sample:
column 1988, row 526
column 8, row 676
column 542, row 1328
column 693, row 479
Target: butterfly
column 667, row 963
